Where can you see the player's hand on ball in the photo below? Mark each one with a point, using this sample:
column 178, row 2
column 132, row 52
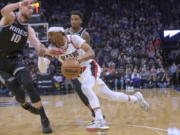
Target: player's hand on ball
column 71, row 68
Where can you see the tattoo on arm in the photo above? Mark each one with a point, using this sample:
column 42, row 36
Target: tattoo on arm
column 86, row 37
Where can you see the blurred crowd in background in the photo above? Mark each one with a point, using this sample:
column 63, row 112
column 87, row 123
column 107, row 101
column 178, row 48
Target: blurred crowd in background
column 125, row 37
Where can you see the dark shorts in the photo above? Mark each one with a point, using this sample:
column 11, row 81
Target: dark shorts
column 9, row 67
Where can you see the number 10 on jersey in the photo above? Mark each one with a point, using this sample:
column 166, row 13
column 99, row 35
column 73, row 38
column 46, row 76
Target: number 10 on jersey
column 16, row 38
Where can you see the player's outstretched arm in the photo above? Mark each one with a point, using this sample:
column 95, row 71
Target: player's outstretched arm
column 40, row 48
column 8, row 14
column 7, row 11
column 78, row 42
column 34, row 41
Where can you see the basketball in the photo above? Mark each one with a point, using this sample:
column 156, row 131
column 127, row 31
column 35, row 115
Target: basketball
column 70, row 68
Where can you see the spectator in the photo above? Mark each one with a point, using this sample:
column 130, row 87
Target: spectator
column 173, row 68
column 144, row 77
column 162, row 79
column 119, row 79
column 152, row 78
column 136, row 78
column 128, row 80
column 176, row 78
column 58, row 80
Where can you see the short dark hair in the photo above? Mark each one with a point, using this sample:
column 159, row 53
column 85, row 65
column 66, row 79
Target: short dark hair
column 76, row 12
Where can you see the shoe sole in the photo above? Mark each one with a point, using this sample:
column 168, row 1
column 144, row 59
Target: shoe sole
column 48, row 132
column 93, row 130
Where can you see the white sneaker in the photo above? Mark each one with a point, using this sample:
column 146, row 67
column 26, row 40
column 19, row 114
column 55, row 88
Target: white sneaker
column 97, row 125
column 142, row 101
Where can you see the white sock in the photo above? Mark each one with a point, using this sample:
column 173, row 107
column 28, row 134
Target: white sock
column 98, row 114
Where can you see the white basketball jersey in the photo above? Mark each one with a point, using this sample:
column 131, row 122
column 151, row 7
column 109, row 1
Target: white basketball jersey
column 72, row 49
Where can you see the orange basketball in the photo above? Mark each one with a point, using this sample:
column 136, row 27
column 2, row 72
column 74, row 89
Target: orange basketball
column 70, row 68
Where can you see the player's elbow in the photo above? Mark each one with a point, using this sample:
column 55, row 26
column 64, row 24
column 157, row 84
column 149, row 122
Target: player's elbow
column 3, row 11
column 7, row 15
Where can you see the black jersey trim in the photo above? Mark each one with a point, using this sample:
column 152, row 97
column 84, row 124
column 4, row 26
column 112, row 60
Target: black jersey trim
column 22, row 23
column 70, row 30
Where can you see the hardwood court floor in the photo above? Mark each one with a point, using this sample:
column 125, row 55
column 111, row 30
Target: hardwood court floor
column 69, row 116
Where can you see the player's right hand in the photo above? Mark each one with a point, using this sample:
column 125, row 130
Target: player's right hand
column 54, row 51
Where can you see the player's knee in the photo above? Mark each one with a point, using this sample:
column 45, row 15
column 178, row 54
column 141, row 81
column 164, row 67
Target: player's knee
column 20, row 95
column 24, row 77
column 13, row 85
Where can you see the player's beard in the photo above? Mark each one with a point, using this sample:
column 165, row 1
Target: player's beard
column 76, row 27
column 27, row 17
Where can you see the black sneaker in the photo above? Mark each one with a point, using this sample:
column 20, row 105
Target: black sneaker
column 46, row 128
column 27, row 106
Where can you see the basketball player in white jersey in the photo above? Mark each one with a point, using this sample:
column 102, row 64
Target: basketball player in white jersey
column 73, row 46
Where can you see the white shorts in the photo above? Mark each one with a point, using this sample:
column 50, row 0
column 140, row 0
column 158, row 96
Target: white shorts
column 91, row 75
column 92, row 86
column 88, row 80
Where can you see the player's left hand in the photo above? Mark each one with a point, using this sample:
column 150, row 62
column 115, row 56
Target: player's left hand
column 54, row 51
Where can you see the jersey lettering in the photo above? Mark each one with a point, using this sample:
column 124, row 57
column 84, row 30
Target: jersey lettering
column 13, row 37
column 18, row 30
column 75, row 54
column 16, row 38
